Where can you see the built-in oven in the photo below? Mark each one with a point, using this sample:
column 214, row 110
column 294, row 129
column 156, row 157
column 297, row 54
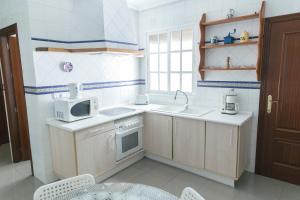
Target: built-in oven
column 129, row 136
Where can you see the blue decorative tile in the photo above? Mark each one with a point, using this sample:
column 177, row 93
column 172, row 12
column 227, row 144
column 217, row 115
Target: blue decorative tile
column 41, row 90
column 229, row 84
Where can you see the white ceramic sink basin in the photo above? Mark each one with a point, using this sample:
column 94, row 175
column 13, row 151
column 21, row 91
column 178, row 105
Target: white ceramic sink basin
column 195, row 111
column 169, row 109
column 191, row 111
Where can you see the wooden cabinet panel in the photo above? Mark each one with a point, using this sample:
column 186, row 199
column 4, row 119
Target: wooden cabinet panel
column 158, row 135
column 96, row 154
column 189, row 142
column 221, row 149
column 63, row 152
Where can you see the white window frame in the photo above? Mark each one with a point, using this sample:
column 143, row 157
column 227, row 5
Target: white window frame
column 169, row 31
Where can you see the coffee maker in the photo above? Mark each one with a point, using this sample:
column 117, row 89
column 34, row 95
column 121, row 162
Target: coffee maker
column 230, row 103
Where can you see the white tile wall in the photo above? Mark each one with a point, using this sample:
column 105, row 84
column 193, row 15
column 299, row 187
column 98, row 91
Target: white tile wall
column 87, row 69
column 189, row 12
column 51, row 18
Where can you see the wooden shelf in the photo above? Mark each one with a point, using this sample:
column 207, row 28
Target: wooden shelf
column 259, row 42
column 227, row 69
column 234, row 19
column 138, row 53
column 229, row 45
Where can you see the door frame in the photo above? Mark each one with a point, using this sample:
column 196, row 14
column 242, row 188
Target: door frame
column 262, row 135
column 10, row 90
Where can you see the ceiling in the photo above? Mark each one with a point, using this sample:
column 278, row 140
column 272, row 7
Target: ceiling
column 146, row 4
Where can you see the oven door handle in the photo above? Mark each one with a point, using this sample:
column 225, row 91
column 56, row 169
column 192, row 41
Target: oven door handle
column 126, row 131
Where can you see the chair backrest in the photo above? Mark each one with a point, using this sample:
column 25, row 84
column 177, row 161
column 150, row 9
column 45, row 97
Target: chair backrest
column 60, row 188
column 190, row 194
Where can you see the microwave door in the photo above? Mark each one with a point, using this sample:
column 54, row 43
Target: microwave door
column 81, row 109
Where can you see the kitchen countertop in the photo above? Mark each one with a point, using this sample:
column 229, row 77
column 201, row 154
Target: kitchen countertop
column 208, row 114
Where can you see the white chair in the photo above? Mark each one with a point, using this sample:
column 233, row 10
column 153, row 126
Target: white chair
column 60, row 188
column 190, row 194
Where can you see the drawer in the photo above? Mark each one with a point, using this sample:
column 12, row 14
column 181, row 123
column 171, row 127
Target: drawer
column 91, row 132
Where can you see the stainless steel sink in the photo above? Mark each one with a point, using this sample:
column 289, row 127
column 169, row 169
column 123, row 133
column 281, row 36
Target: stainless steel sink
column 116, row 111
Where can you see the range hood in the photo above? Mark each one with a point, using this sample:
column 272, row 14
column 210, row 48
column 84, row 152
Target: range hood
column 115, row 27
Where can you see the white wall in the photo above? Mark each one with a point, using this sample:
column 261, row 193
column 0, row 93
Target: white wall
column 279, row 7
column 74, row 20
column 188, row 13
column 11, row 12
column 87, row 69
column 49, row 18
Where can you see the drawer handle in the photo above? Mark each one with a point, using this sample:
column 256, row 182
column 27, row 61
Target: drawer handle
column 97, row 130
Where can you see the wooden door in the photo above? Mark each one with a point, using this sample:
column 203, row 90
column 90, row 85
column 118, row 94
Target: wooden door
column 158, row 135
column 96, row 154
column 3, row 123
column 221, row 149
column 278, row 153
column 14, row 94
column 189, row 142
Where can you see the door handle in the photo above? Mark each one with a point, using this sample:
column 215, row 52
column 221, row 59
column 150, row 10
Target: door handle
column 270, row 103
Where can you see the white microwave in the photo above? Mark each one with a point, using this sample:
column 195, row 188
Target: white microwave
column 70, row 110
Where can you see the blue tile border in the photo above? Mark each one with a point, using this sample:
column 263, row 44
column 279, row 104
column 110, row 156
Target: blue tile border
column 230, row 84
column 42, row 90
column 81, row 41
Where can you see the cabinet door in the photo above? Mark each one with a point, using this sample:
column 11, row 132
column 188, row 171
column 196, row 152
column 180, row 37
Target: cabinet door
column 96, row 154
column 158, row 135
column 189, row 142
column 221, row 149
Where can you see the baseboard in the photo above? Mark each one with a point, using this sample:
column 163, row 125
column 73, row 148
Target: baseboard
column 204, row 173
column 121, row 165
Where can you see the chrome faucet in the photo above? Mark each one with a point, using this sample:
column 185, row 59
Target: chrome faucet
column 186, row 96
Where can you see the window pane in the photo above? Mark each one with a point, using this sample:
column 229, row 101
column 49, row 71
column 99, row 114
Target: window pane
column 187, row 61
column 163, row 81
column 153, row 81
column 187, row 82
column 175, row 62
column 153, row 43
column 163, row 62
column 154, row 63
column 187, row 39
column 175, row 41
column 163, row 42
column 175, row 81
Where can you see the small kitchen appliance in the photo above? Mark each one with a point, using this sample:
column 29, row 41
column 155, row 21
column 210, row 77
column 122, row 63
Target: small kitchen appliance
column 75, row 90
column 69, row 110
column 230, row 103
column 142, row 99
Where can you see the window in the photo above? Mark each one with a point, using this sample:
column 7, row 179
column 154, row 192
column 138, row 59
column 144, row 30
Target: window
column 170, row 61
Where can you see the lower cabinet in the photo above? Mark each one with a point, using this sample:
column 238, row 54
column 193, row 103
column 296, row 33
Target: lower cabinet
column 90, row 151
column 189, row 142
column 96, row 154
column 158, row 134
column 223, row 149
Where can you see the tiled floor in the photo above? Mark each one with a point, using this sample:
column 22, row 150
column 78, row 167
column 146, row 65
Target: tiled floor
column 250, row 187
column 16, row 182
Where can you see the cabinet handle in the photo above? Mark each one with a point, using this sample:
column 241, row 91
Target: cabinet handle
column 96, row 130
column 111, row 141
column 230, row 138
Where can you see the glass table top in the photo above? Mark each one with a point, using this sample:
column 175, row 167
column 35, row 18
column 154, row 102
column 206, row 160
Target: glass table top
column 119, row 191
